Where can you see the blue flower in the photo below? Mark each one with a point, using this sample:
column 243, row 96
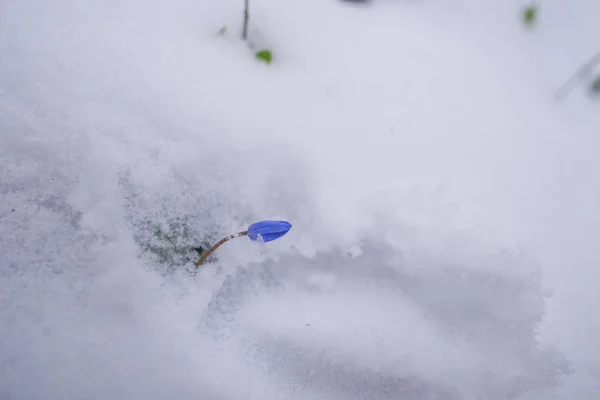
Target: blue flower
column 262, row 231
column 266, row 231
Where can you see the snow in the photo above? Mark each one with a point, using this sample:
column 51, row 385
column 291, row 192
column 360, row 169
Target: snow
column 445, row 207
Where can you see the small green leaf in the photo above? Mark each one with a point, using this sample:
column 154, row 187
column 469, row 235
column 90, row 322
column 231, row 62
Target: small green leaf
column 222, row 31
column 530, row 15
column 264, row 55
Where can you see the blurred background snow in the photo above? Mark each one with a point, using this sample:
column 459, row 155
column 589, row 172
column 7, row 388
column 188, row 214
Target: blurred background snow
column 445, row 207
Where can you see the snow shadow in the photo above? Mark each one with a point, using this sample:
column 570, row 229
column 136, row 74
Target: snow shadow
column 379, row 326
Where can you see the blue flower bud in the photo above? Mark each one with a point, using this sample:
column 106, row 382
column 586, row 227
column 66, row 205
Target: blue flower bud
column 266, row 231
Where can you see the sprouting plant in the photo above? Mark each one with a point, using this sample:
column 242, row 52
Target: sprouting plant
column 261, row 231
column 264, row 55
column 530, row 14
column 584, row 72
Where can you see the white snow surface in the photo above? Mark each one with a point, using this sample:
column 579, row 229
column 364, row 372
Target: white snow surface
column 445, row 207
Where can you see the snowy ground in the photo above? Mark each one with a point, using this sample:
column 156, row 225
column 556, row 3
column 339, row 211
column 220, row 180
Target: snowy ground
column 445, row 208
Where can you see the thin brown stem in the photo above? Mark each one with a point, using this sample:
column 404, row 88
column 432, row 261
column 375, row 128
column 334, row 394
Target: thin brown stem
column 219, row 243
column 246, row 19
